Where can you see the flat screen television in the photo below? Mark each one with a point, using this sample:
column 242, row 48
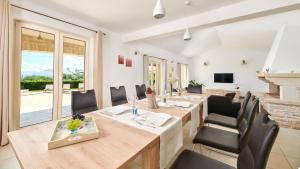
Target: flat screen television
column 223, row 77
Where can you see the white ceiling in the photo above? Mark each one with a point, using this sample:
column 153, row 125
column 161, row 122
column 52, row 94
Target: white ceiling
column 129, row 15
column 252, row 34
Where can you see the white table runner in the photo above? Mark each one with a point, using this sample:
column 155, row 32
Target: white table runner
column 171, row 136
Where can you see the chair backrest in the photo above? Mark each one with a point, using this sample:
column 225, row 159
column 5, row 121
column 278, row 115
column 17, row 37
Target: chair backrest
column 255, row 154
column 194, row 89
column 243, row 108
column 83, row 102
column 220, row 105
column 247, row 120
column 230, row 95
column 118, row 96
column 141, row 91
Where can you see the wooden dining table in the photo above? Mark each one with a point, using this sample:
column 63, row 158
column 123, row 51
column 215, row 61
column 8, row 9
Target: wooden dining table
column 118, row 145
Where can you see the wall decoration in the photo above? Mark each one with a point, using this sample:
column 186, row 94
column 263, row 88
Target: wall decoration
column 128, row 62
column 121, row 60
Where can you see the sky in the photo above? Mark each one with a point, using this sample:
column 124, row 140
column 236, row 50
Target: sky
column 41, row 63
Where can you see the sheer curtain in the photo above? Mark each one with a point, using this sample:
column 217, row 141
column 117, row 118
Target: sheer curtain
column 146, row 69
column 182, row 72
column 6, row 71
column 163, row 76
column 98, row 70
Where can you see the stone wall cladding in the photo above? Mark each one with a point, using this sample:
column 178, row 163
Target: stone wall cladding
column 287, row 116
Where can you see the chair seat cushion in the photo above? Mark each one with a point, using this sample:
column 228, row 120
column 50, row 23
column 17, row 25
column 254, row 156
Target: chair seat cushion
column 217, row 138
column 226, row 121
column 191, row 160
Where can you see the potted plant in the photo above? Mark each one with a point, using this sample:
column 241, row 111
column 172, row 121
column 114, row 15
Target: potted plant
column 194, row 87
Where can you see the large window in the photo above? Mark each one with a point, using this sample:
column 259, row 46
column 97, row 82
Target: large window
column 50, row 65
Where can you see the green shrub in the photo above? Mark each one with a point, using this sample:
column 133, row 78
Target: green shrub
column 41, row 84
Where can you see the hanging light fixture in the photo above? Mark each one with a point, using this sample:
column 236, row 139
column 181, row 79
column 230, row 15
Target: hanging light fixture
column 187, row 35
column 159, row 10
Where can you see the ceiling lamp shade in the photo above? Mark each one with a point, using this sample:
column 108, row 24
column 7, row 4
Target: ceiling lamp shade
column 159, row 10
column 187, row 35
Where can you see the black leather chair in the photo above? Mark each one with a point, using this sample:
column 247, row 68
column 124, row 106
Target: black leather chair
column 194, row 89
column 118, row 96
column 254, row 155
column 140, row 91
column 222, row 105
column 83, row 102
column 225, row 140
column 231, row 122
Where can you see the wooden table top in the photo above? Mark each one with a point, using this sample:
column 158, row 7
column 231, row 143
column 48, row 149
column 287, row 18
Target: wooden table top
column 118, row 144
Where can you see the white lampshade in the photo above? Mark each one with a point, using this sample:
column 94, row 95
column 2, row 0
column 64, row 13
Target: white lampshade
column 187, row 35
column 159, row 10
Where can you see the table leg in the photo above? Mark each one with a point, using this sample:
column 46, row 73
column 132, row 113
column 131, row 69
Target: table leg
column 201, row 124
column 150, row 157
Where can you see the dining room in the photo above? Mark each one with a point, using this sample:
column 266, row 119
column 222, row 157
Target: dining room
column 142, row 84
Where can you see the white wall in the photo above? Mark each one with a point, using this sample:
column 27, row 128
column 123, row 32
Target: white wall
column 117, row 75
column 228, row 60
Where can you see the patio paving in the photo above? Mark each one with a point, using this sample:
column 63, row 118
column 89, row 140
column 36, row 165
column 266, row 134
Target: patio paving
column 27, row 119
column 36, row 107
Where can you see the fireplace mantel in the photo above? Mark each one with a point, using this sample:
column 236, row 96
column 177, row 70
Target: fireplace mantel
column 289, row 84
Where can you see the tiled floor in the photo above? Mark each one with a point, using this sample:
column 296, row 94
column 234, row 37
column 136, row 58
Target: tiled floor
column 285, row 153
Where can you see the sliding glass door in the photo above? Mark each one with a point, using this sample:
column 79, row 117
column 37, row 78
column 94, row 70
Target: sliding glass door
column 37, row 76
column 50, row 65
column 73, row 64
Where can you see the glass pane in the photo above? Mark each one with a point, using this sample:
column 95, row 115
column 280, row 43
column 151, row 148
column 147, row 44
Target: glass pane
column 37, row 55
column 73, row 71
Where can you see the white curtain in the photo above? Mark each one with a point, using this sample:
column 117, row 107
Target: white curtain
column 98, row 70
column 146, row 69
column 179, row 75
column 163, row 76
column 6, row 71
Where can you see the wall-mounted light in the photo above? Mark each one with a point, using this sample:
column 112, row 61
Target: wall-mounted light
column 137, row 52
column 244, row 62
column 205, row 63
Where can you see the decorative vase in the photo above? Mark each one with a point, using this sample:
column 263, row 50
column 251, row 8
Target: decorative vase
column 152, row 104
column 74, row 132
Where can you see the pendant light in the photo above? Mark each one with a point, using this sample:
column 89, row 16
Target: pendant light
column 159, row 10
column 187, row 35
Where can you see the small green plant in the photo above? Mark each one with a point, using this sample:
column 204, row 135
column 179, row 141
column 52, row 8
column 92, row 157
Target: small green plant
column 73, row 124
column 194, row 83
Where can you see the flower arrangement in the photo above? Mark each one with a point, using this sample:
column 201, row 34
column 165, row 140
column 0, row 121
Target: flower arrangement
column 149, row 91
column 172, row 80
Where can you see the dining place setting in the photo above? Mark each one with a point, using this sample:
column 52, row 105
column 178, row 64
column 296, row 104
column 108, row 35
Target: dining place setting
column 152, row 127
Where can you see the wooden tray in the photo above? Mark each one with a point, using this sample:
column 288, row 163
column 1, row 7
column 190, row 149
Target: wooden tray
column 61, row 136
